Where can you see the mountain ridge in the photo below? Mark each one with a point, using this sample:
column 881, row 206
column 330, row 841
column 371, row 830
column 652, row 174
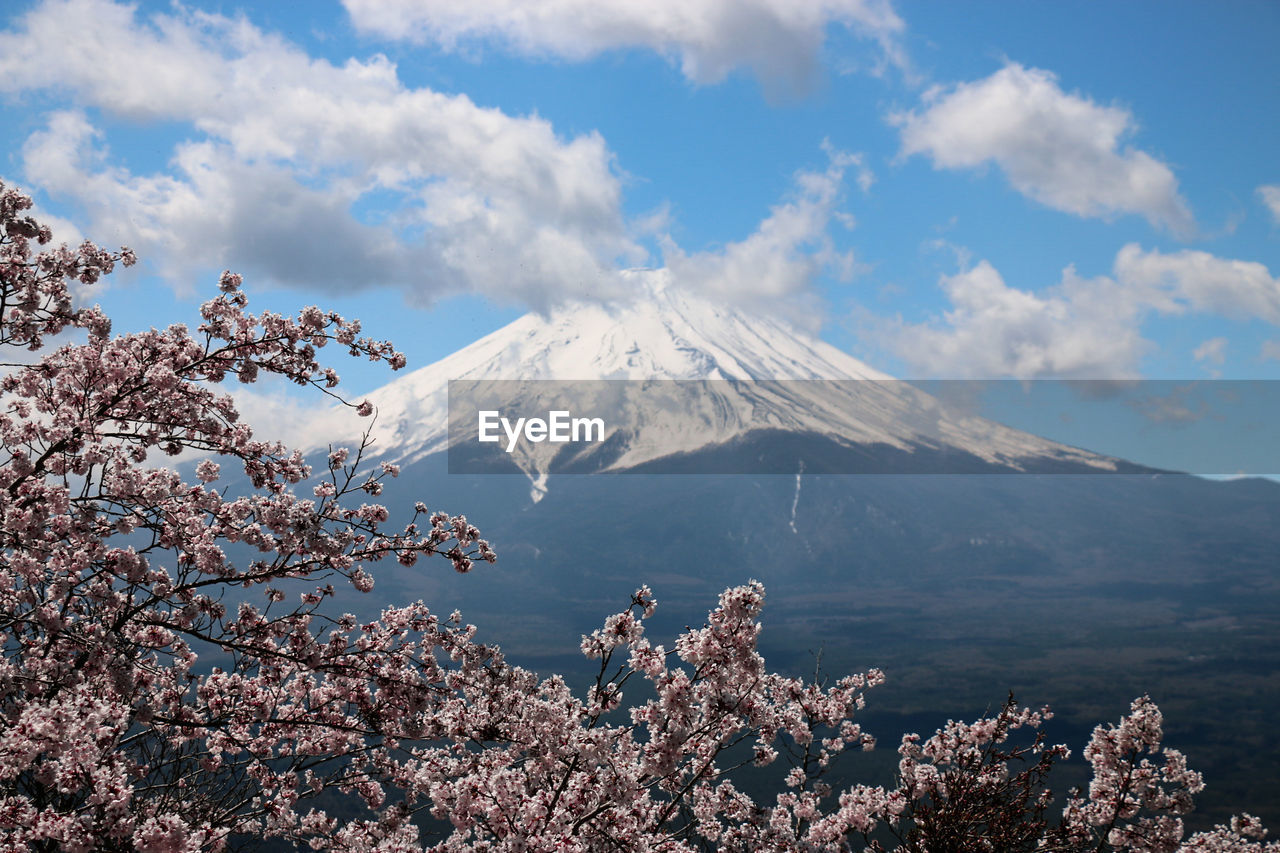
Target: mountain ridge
column 757, row 373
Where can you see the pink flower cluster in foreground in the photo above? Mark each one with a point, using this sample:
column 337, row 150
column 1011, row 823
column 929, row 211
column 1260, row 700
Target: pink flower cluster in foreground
column 158, row 695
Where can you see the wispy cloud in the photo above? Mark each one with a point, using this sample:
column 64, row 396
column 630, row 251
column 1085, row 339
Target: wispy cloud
column 1270, row 195
column 779, row 41
column 1212, row 351
column 1211, row 354
column 1060, row 149
column 790, row 247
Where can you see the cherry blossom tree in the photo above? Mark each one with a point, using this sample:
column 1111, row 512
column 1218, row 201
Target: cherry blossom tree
column 173, row 676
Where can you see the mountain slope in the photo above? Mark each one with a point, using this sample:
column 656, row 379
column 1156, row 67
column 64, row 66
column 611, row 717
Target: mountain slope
column 746, row 366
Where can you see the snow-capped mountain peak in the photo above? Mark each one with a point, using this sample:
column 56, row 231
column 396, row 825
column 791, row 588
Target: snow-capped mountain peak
column 663, row 334
column 668, row 334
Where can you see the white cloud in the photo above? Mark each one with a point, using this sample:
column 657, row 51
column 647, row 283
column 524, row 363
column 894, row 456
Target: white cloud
column 300, row 423
column 778, row 40
column 1270, row 350
column 287, row 156
column 215, row 208
column 1213, row 351
column 1078, row 328
column 1270, row 195
column 1198, row 281
column 786, row 251
column 285, row 149
column 1060, row 149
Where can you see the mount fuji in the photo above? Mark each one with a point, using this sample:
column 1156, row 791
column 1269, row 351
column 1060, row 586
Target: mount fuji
column 1078, row 591
column 739, row 397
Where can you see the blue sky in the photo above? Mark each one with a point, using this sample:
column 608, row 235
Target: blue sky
column 945, row 190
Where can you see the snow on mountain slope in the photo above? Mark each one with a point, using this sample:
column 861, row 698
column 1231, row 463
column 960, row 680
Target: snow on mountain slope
column 669, row 335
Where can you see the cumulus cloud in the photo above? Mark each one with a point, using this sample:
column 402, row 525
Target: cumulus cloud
column 285, row 149
column 216, row 207
column 1062, row 150
column 1270, row 195
column 340, row 177
column 1081, row 328
column 1198, row 281
column 777, row 40
column 1088, row 328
